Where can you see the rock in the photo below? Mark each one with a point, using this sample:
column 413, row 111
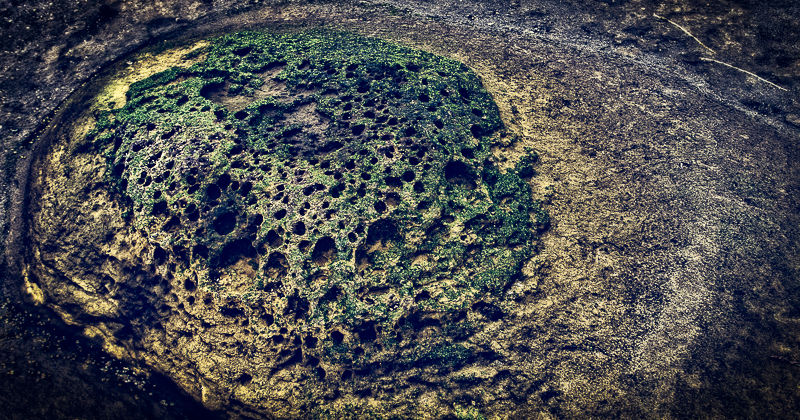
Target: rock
column 283, row 214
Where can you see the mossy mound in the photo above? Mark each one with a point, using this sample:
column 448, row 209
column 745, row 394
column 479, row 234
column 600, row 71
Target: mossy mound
column 330, row 188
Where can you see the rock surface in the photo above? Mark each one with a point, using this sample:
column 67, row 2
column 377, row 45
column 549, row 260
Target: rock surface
column 288, row 222
column 666, row 286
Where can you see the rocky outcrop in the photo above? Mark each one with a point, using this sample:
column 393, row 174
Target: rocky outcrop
column 289, row 220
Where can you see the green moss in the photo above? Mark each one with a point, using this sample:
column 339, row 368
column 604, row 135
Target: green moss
column 161, row 78
column 351, row 170
column 468, row 413
column 525, row 165
column 442, row 355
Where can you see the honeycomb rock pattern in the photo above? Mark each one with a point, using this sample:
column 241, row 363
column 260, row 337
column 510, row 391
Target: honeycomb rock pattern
column 334, row 194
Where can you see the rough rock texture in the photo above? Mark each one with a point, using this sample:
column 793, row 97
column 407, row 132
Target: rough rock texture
column 291, row 219
column 667, row 283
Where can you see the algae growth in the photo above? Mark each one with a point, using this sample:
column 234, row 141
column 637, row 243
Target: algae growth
column 340, row 184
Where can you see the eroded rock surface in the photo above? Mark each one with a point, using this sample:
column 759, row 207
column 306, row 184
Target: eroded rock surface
column 291, row 221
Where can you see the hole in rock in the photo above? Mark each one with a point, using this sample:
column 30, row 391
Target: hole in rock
column 393, row 182
column 381, row 232
column 213, row 192
column 488, row 310
column 311, row 342
column 366, row 332
column 255, row 223
column 235, row 251
column 160, row 209
column 332, row 146
column 299, row 306
column 200, row 251
column 476, row 130
column 273, row 239
column 241, row 52
column 468, row 153
column 324, row 251
column 312, row 361
column 244, row 379
column 232, row 312
column 300, row 228
column 459, row 173
column 393, row 199
column 358, row 129
column 223, row 181
column 424, row 295
column 331, row 295
column 276, row 266
column 225, row 223
column 245, row 189
column 159, row 255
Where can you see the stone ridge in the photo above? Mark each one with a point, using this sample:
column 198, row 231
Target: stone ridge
column 341, row 183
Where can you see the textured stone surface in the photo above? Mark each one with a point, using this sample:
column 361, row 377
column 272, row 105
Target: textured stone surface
column 666, row 288
column 293, row 218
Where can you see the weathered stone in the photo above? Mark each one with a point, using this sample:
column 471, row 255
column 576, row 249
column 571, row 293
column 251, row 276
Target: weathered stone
column 290, row 214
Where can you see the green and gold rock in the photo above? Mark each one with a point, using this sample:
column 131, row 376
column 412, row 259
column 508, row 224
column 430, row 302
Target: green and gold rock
column 329, row 200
